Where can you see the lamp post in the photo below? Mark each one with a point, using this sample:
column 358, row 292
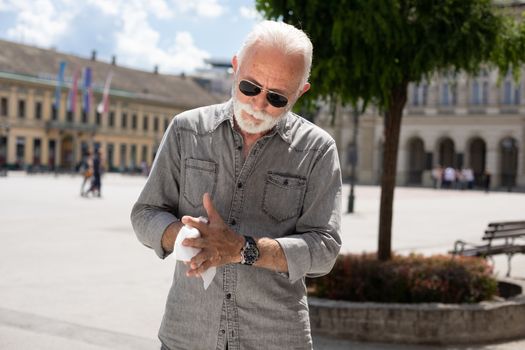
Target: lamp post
column 353, row 157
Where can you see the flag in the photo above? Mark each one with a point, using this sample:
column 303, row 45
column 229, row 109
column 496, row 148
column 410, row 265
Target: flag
column 60, row 81
column 88, row 95
column 72, row 100
column 103, row 106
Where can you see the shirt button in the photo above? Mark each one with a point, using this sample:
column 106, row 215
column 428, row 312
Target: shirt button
column 233, row 222
column 223, row 331
column 239, row 185
column 228, row 296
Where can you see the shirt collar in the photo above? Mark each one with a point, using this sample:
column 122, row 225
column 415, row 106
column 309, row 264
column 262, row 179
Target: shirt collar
column 225, row 113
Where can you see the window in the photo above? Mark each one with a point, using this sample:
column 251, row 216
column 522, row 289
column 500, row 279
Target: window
column 3, row 151
column 419, row 94
column 54, row 115
column 69, row 116
column 38, row 110
column 145, row 123
column 20, row 151
column 144, row 157
column 124, row 120
column 110, row 152
column 21, row 108
column 156, row 124
column 3, row 107
column 166, row 123
column 98, row 118
column 111, row 120
column 51, row 146
column 133, row 156
column 448, row 94
column 480, row 92
column 37, row 151
column 123, row 151
column 84, row 117
column 511, row 90
column 134, row 122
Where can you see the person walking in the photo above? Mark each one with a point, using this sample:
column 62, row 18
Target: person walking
column 96, row 183
column 87, row 172
column 268, row 183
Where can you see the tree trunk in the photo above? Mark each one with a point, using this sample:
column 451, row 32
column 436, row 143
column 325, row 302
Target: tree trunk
column 392, row 128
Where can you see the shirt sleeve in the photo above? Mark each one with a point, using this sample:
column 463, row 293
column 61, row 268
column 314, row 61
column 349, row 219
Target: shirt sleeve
column 313, row 249
column 156, row 207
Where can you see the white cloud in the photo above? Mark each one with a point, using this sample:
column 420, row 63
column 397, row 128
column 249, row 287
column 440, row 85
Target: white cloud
column 136, row 42
column 200, row 8
column 39, row 22
column 110, row 8
column 138, row 45
column 157, row 8
column 249, row 12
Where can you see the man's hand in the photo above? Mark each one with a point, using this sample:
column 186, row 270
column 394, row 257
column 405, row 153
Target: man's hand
column 220, row 245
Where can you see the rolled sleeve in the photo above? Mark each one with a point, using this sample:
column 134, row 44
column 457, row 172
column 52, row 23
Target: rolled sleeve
column 151, row 230
column 313, row 249
column 156, row 208
column 297, row 254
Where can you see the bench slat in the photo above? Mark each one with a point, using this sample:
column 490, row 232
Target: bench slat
column 492, row 250
column 506, row 223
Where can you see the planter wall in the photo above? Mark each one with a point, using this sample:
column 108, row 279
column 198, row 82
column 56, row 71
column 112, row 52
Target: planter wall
column 419, row 323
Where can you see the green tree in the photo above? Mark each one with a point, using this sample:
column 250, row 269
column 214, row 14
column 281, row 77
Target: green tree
column 372, row 50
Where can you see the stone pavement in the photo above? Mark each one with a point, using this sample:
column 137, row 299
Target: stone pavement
column 73, row 275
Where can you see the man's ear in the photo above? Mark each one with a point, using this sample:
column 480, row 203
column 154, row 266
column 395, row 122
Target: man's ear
column 306, row 87
column 235, row 63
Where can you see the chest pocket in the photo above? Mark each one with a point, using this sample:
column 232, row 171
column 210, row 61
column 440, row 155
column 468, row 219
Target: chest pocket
column 283, row 196
column 200, row 176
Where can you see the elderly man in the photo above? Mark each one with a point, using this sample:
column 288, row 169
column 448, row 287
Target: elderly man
column 269, row 184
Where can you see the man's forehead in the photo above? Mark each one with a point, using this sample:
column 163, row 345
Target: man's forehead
column 272, row 68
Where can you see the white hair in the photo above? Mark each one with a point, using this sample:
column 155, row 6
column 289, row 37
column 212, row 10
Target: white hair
column 284, row 37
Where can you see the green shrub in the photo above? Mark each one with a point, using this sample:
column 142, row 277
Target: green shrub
column 407, row 279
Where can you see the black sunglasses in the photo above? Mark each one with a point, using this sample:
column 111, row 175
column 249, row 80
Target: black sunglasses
column 251, row 89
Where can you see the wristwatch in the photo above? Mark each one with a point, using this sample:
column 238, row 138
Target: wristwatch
column 250, row 252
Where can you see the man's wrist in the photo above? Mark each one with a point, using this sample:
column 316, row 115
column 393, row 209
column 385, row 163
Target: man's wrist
column 239, row 244
column 170, row 235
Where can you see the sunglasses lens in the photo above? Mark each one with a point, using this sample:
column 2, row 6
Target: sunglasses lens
column 276, row 100
column 248, row 88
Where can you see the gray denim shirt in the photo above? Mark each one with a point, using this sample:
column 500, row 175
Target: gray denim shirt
column 288, row 188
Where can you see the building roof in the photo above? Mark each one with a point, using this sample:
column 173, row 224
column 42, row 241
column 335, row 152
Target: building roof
column 29, row 63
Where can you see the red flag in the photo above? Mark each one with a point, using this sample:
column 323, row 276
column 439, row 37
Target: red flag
column 103, row 106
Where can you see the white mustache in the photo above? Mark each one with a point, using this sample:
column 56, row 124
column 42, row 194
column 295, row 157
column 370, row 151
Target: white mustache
column 259, row 115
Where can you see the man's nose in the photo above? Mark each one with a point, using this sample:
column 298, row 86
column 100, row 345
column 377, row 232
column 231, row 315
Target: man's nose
column 259, row 102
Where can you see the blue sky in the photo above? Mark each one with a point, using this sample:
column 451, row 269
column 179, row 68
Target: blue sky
column 176, row 35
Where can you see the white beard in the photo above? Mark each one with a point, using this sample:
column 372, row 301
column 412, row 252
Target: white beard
column 266, row 121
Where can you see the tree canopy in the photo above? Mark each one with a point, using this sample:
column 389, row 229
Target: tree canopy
column 372, row 50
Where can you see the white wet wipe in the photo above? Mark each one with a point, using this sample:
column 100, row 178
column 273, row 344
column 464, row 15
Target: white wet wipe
column 184, row 253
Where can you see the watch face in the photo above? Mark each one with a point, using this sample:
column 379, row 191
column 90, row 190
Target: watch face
column 250, row 253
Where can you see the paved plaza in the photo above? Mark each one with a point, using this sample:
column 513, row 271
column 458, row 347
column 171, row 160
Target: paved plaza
column 73, row 275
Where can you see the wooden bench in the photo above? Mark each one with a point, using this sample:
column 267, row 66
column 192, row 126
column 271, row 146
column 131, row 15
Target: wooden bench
column 501, row 238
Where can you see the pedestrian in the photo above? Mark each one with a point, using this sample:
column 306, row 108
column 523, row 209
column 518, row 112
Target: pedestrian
column 437, row 176
column 268, row 182
column 86, row 169
column 449, row 177
column 468, row 176
column 486, row 181
column 96, row 183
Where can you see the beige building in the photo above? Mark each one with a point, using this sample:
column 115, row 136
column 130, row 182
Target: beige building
column 455, row 121
column 35, row 135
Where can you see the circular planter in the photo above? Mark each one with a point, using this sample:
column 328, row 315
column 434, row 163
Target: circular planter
column 431, row 323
